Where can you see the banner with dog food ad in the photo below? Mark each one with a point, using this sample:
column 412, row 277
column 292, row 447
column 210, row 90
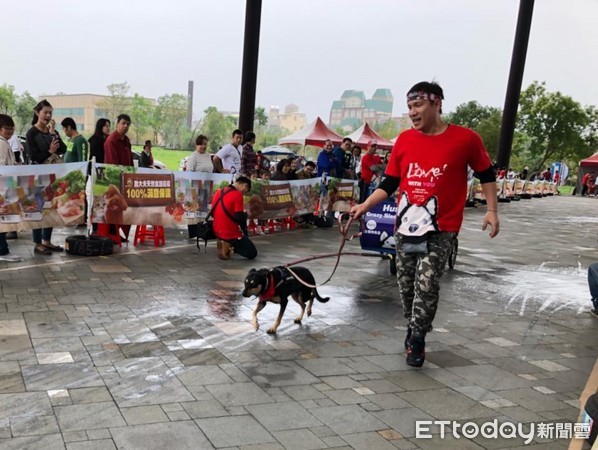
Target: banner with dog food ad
column 137, row 196
column 42, row 196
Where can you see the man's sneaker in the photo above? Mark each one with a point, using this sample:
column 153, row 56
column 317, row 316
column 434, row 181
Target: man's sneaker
column 407, row 337
column 10, row 258
column 416, row 353
column 224, row 249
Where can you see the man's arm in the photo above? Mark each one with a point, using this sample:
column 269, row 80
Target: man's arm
column 491, row 217
column 218, row 164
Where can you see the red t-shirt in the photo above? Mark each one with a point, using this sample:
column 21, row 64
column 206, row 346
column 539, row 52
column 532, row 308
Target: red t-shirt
column 368, row 161
column 224, row 227
column 433, row 173
column 585, row 180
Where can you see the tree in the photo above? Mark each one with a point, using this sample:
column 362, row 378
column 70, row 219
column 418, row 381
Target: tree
column 118, row 102
column 590, row 133
column 554, row 122
column 489, row 130
column 24, row 111
column 7, row 99
column 260, row 116
column 141, row 115
column 216, row 127
column 470, row 114
column 173, row 111
column 387, row 129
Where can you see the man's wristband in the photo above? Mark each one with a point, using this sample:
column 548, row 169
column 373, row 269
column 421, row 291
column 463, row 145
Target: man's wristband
column 491, row 210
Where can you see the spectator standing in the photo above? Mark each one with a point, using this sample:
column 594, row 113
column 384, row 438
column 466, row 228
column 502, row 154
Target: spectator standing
column 557, row 177
column 228, row 158
column 80, row 148
column 326, row 161
column 230, row 220
column 97, row 140
column 510, row 174
column 370, row 165
column 199, row 161
column 546, row 175
column 249, row 163
column 44, row 146
column 7, row 158
column 146, row 159
column 117, row 150
column 524, row 173
column 17, row 148
column 342, row 157
column 429, row 164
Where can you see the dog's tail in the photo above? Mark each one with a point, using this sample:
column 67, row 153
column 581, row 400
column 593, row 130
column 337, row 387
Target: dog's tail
column 320, row 298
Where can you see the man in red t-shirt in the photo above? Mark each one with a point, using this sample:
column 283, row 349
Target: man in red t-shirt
column 370, row 165
column 230, row 220
column 429, row 165
column 117, row 150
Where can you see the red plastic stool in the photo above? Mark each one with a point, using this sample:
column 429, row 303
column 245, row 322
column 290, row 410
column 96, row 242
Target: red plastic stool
column 155, row 233
column 104, row 230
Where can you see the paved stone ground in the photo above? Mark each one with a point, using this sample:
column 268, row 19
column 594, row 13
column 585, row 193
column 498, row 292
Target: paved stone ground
column 153, row 349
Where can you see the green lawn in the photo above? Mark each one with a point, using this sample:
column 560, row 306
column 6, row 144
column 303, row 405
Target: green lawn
column 171, row 158
column 565, row 190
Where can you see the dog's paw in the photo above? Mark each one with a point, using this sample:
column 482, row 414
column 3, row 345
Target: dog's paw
column 271, row 331
column 298, row 321
column 256, row 326
column 309, row 313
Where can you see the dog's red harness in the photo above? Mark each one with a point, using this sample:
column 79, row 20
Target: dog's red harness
column 269, row 292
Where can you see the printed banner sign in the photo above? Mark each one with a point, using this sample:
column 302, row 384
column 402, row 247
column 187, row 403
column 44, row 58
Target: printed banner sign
column 145, row 189
column 41, row 196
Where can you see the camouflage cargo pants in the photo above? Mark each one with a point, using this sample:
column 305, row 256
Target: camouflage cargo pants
column 418, row 276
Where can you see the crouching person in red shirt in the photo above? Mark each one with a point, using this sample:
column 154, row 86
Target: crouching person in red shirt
column 428, row 164
column 230, row 220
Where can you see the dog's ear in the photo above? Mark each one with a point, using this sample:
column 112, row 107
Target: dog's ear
column 252, row 270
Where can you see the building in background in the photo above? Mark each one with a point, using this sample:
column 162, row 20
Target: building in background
column 353, row 109
column 291, row 120
column 81, row 107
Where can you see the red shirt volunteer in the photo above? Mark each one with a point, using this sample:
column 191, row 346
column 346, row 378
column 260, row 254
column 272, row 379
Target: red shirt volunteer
column 227, row 228
column 436, row 166
column 368, row 161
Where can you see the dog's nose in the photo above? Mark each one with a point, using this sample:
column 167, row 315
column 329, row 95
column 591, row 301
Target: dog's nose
column 413, row 228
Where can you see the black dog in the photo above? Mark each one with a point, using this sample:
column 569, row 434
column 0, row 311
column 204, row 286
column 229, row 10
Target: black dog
column 275, row 285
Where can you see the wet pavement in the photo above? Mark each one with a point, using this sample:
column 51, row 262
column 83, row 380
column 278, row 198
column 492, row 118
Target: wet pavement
column 154, row 348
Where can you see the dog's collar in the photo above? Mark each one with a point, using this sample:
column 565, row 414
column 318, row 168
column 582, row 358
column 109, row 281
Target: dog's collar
column 269, row 291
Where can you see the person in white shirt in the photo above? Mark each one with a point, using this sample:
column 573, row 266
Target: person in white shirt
column 200, row 160
column 228, row 158
column 17, row 148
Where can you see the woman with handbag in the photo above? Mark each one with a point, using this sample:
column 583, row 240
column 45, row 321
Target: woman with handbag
column 45, row 147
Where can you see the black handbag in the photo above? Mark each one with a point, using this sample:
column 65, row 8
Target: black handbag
column 205, row 229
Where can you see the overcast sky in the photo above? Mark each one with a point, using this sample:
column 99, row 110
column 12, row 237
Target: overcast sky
column 310, row 50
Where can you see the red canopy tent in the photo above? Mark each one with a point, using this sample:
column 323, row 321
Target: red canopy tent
column 591, row 162
column 365, row 133
column 316, row 133
column 587, row 165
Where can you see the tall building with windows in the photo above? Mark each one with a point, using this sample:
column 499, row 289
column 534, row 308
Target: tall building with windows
column 353, row 108
column 291, row 120
column 83, row 108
